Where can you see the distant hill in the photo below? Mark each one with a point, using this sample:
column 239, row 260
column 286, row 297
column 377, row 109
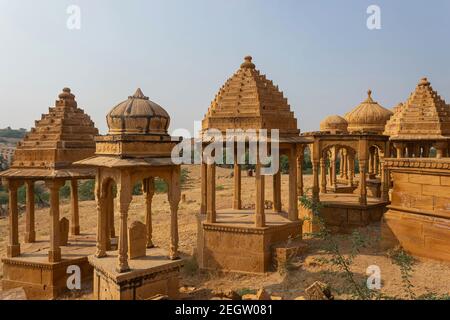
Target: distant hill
column 12, row 133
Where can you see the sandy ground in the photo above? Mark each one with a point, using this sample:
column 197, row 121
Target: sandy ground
column 428, row 276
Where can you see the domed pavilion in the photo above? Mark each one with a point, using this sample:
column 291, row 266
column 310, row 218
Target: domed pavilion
column 343, row 143
column 137, row 149
column 46, row 155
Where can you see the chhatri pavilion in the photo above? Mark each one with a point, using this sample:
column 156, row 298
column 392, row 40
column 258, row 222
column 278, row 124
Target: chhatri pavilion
column 420, row 124
column 46, row 155
column 235, row 238
column 136, row 149
column 355, row 139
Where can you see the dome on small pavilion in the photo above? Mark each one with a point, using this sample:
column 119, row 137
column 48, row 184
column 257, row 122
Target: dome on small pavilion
column 369, row 116
column 138, row 115
column 334, row 124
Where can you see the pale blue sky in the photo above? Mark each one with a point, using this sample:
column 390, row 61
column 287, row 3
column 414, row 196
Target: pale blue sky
column 320, row 53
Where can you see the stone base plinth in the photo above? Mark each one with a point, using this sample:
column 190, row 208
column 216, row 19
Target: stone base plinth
column 234, row 244
column 41, row 280
column 149, row 276
column 343, row 213
column 342, row 218
column 419, row 234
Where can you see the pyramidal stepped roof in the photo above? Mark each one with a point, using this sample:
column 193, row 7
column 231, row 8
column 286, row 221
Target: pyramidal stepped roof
column 62, row 136
column 248, row 100
column 424, row 116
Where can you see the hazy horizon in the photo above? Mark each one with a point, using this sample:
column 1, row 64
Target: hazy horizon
column 320, row 53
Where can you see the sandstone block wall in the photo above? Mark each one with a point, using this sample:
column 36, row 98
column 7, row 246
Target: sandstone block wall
column 419, row 216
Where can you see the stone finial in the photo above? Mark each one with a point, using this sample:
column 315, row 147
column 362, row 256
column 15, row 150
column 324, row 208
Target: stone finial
column 369, row 96
column 68, row 97
column 66, row 94
column 424, row 82
column 138, row 95
column 248, row 64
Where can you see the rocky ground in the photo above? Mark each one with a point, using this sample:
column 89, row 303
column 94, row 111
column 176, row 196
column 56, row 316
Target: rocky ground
column 427, row 276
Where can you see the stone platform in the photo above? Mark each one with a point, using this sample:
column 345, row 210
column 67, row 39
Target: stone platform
column 342, row 212
column 233, row 243
column 149, row 276
column 46, row 280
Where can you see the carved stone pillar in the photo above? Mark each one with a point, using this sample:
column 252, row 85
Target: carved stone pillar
column 277, row 191
column 13, row 248
column 237, row 203
column 323, row 175
column 125, row 195
column 315, row 189
column 329, row 172
column 362, row 182
column 300, row 157
column 74, row 213
column 416, row 147
column 54, row 253
column 203, row 187
column 333, row 169
column 351, row 166
column 346, row 164
column 399, row 149
column 293, row 196
column 341, row 163
column 384, row 183
column 174, row 199
column 211, row 193
column 260, row 218
column 110, row 200
column 149, row 191
column 30, row 234
column 102, row 223
column 108, row 206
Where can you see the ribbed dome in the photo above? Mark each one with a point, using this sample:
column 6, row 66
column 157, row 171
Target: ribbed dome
column 334, row 124
column 369, row 116
column 138, row 115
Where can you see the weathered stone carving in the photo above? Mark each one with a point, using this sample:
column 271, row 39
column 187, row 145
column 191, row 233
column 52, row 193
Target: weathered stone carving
column 63, row 231
column 137, row 240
